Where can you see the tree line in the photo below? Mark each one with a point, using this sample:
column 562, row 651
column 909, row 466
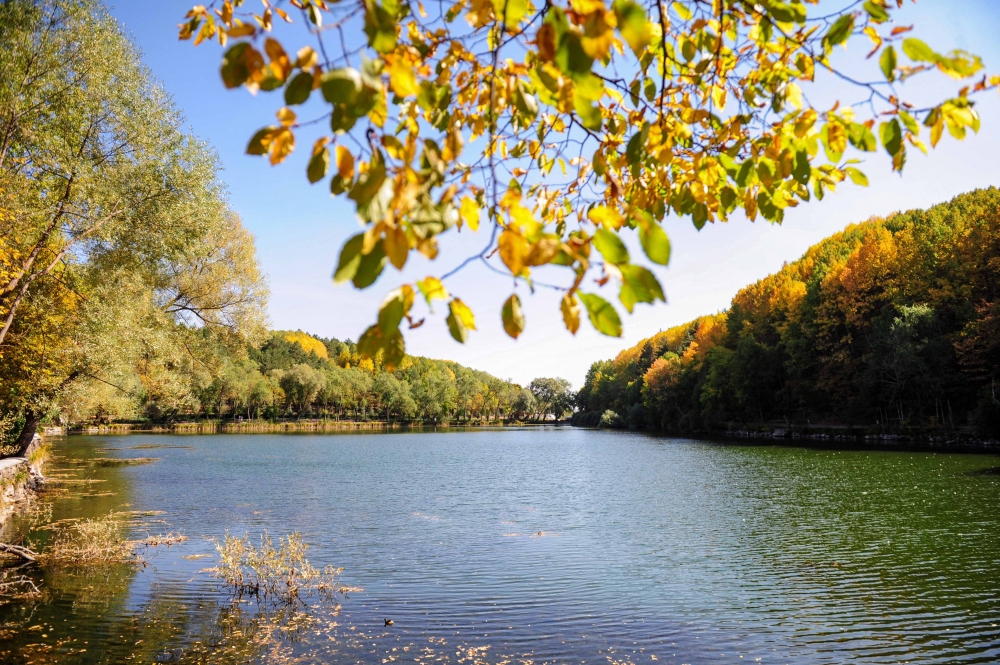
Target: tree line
column 893, row 323
column 293, row 375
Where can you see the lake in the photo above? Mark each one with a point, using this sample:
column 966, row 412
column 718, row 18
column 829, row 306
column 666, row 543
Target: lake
column 532, row 546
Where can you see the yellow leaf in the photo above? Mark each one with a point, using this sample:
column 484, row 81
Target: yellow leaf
column 403, row 77
column 543, row 251
column 320, row 144
column 470, row 212
column 281, row 145
column 428, row 247
column 306, row 58
column 571, row 312
column 605, row 216
column 345, row 163
column 243, row 30
column 433, row 289
column 514, row 249
column 286, row 116
column 396, row 247
column 463, row 313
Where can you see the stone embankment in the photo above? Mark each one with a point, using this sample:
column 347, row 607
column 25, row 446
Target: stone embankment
column 20, row 477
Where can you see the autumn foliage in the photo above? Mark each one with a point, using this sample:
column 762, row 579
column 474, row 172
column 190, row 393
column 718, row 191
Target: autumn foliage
column 891, row 323
column 554, row 127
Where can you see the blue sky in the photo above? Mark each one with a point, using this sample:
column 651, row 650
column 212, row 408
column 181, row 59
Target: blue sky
column 300, row 228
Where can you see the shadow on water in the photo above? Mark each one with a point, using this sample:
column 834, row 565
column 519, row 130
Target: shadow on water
column 993, row 471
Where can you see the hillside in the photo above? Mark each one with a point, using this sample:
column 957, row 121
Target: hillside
column 892, row 323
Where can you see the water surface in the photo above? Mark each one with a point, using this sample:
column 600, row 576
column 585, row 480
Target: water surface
column 536, row 545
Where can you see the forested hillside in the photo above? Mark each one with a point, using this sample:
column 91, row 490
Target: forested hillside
column 892, row 323
column 294, row 375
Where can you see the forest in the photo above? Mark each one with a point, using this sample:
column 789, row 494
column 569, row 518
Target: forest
column 293, row 375
column 893, row 323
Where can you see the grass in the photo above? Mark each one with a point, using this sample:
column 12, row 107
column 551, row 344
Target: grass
column 100, row 541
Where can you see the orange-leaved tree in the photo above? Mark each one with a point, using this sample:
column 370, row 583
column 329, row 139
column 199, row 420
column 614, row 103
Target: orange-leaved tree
column 558, row 124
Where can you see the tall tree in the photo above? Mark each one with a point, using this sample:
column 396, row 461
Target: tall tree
column 115, row 233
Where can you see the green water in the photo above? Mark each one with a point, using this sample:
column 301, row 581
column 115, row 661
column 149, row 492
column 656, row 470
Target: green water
column 535, row 545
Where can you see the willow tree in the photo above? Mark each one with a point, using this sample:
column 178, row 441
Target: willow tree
column 115, row 236
column 556, row 125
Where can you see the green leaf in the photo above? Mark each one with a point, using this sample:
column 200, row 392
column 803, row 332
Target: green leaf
column 892, row 136
column 380, row 26
column 341, row 86
column 368, row 184
column 390, row 343
column 298, row 89
column 258, row 145
column 682, row 11
column 590, row 115
column 602, row 315
column 786, row 12
column 878, row 13
column 632, row 25
column 571, row 59
column 459, row 320
column 610, row 246
column 513, row 317
column 391, row 314
column 515, row 11
column 887, row 61
column 744, row 173
column 655, row 243
column 639, row 285
column 856, row 176
column 350, row 259
column 910, row 122
column 234, row 67
column 861, row 137
column 393, row 349
column 370, row 342
column 918, row 51
column 318, row 165
column 840, row 30
column 802, row 170
column 370, row 267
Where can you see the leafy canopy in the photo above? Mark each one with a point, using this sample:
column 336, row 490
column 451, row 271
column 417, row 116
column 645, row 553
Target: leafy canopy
column 556, row 125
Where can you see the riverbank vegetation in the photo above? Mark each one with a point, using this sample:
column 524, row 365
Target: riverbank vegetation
column 893, row 323
column 295, row 376
column 129, row 288
column 118, row 249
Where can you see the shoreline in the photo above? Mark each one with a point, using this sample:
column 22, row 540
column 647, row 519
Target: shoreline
column 21, row 478
column 290, row 426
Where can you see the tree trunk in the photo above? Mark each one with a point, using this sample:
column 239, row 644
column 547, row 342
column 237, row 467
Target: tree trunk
column 27, row 435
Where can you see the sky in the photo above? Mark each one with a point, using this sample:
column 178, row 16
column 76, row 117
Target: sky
column 300, row 228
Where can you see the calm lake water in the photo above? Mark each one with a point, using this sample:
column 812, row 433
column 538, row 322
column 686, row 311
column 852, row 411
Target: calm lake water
column 540, row 545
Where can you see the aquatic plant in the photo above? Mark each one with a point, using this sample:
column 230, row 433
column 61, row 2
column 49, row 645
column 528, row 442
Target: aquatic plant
column 278, row 572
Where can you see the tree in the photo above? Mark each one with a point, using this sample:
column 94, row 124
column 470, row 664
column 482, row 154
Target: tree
column 552, row 396
column 115, row 234
column 567, row 122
